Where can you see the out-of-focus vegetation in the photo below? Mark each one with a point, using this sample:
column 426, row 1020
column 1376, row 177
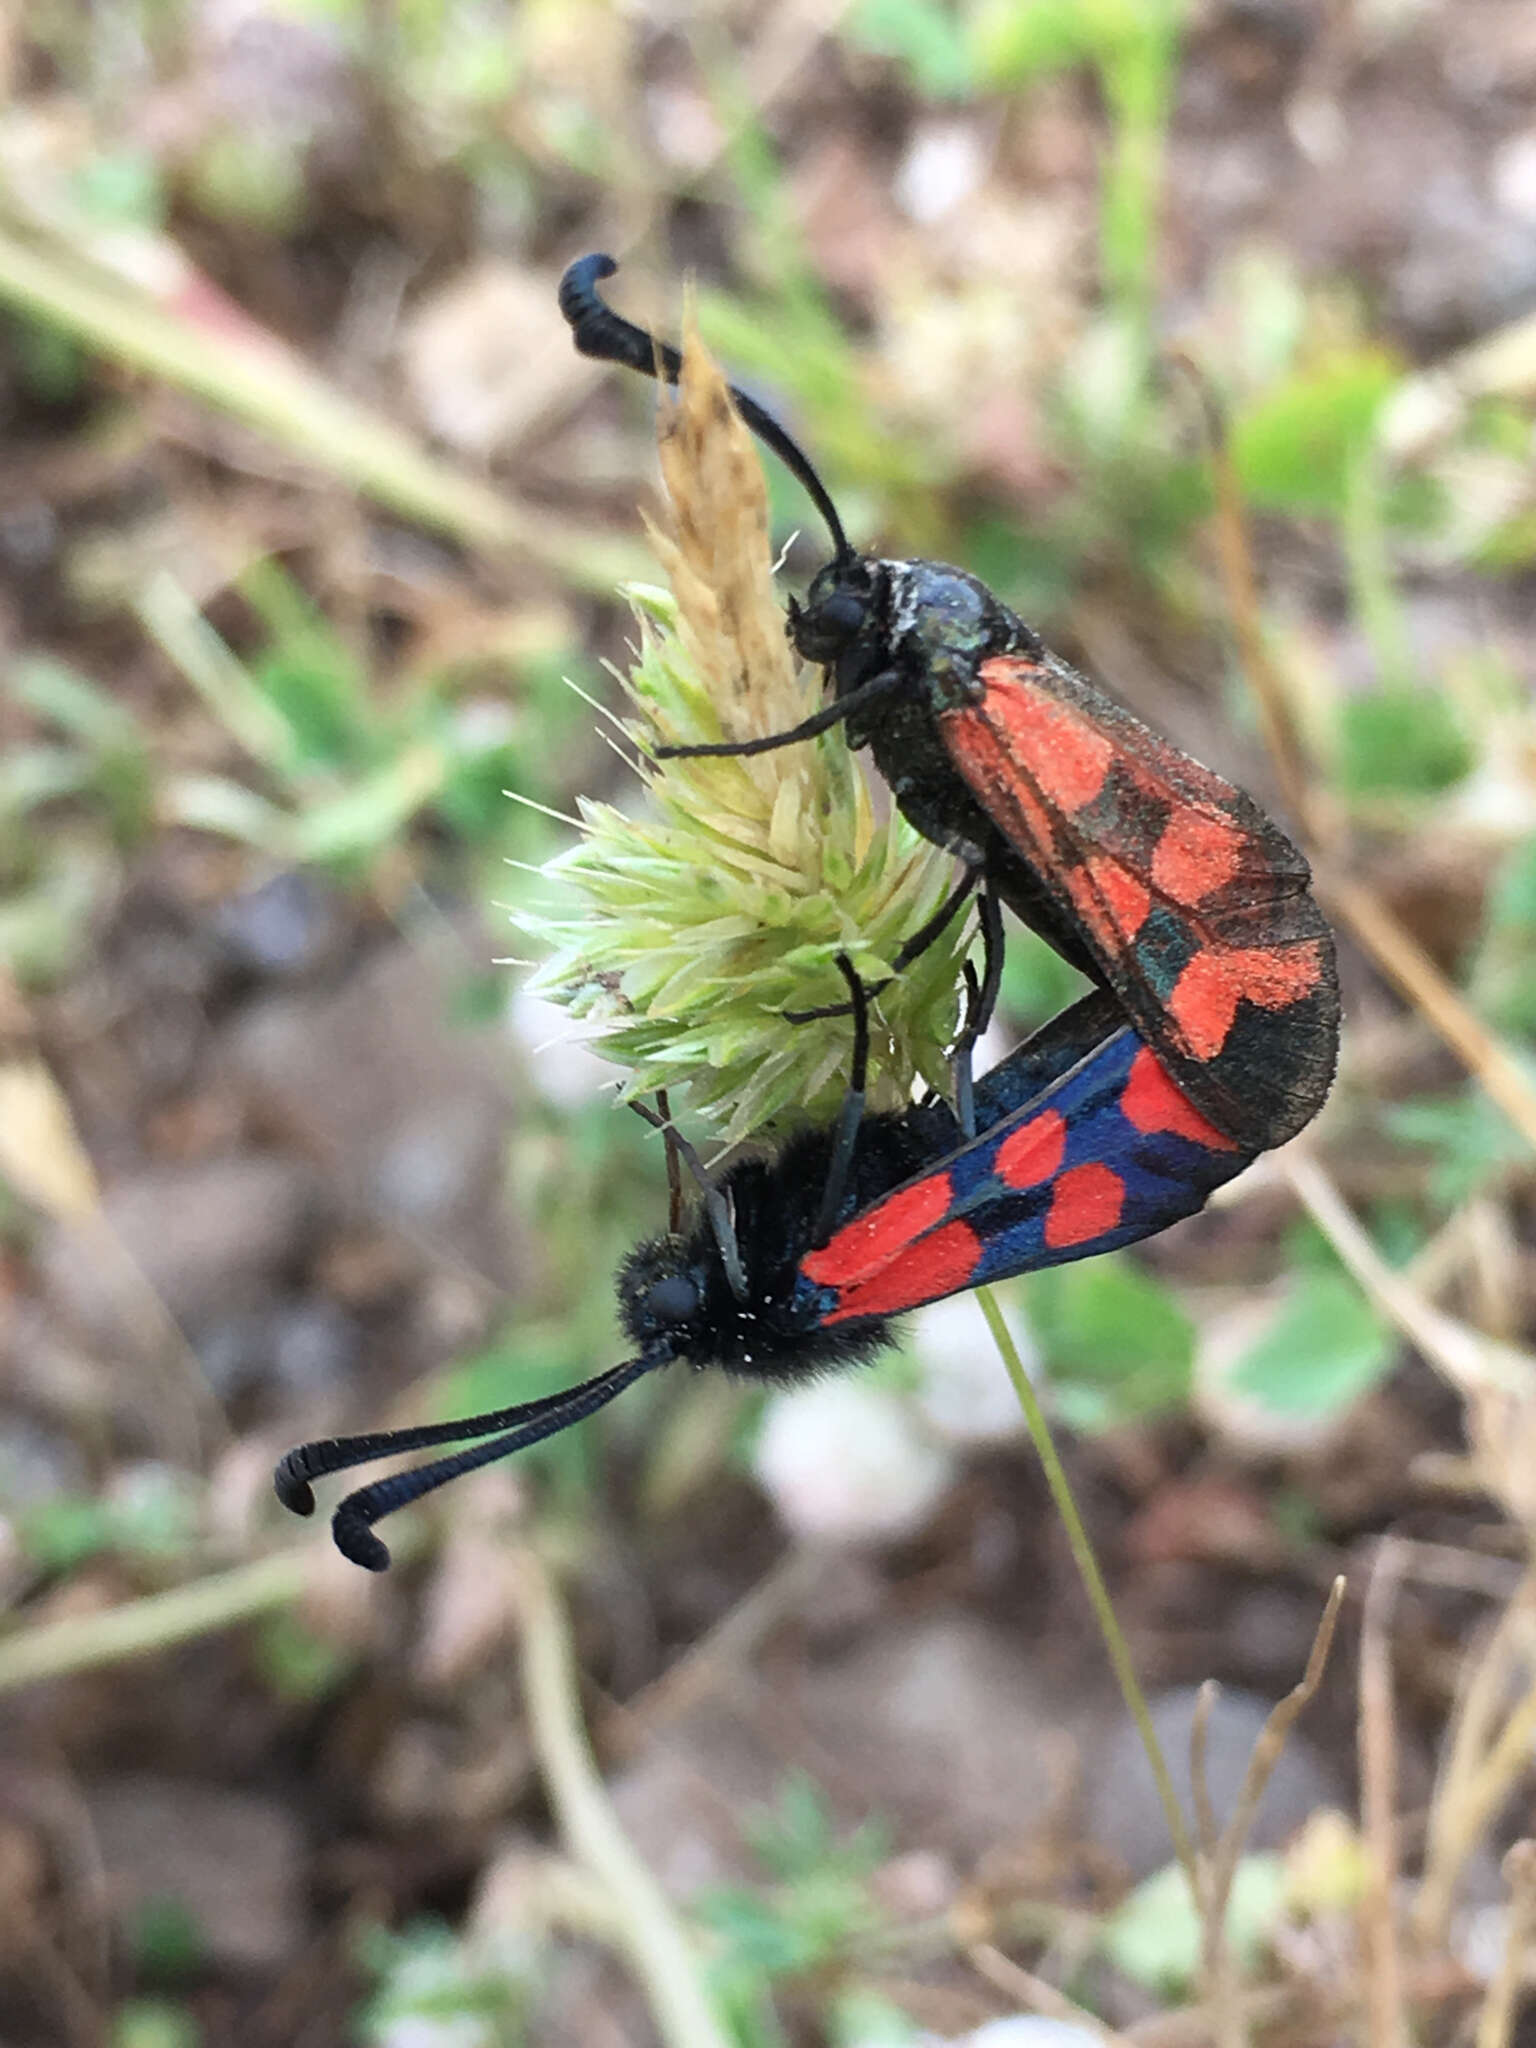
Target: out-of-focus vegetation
column 310, row 513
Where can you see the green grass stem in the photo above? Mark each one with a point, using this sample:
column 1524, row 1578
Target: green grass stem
column 1093, row 1580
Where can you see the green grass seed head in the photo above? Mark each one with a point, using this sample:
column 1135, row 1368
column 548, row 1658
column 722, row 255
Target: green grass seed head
column 684, row 930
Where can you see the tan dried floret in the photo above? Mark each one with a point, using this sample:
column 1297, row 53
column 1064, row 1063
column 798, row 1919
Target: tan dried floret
column 687, row 930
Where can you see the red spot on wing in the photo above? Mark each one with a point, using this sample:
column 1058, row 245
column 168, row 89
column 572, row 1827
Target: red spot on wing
column 1151, row 1102
column 1034, row 1152
column 1109, row 899
column 1086, row 1203
column 1017, row 722
column 1206, row 995
column 939, row 1264
column 1196, row 856
column 872, row 1240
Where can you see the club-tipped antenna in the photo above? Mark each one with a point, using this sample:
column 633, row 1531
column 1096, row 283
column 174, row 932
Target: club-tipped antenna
column 716, row 1206
column 292, row 1480
column 608, row 337
column 352, row 1523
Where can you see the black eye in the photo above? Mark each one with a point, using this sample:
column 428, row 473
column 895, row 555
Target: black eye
column 841, row 615
column 672, row 1300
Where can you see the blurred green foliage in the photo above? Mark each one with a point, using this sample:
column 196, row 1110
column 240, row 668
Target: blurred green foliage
column 1467, row 1138
column 166, row 1941
column 337, row 765
column 1325, row 1347
column 333, row 757
column 1401, row 740
column 802, row 1924
column 1154, row 1936
column 297, row 1661
column 426, row 1975
column 329, row 755
column 1115, row 1340
column 1504, row 969
column 156, row 1516
column 1296, row 444
column 340, row 773
column 154, row 2023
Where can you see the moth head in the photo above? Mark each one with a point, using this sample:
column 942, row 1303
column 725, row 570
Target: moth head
column 840, row 609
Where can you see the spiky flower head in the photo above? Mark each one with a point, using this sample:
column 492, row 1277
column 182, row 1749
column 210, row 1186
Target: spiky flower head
column 687, row 929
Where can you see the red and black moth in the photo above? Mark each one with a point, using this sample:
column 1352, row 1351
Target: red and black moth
column 797, row 1264
column 1160, row 880
column 1211, row 1035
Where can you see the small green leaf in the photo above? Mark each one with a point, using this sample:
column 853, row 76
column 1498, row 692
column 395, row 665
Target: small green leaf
column 1504, row 978
column 166, row 1940
column 1154, row 1936
column 922, row 35
column 59, row 1534
column 121, row 188
column 307, row 670
column 44, row 927
column 154, row 1515
column 1324, row 1348
column 1470, row 1138
column 365, row 819
column 1401, row 740
column 296, row 1662
column 862, row 2019
column 72, row 702
column 1013, row 43
column 1115, row 1341
column 794, row 1835
column 154, row 2023
column 52, row 365
column 757, row 1933
column 1512, row 901
column 433, row 1986
column 33, row 776
column 1294, row 449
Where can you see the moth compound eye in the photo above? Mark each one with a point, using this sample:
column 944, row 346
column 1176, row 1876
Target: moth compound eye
column 841, row 616
column 673, row 1300
column 826, row 626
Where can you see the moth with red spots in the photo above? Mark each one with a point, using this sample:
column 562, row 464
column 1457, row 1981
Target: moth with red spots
column 1211, row 1035
column 1158, row 879
column 798, row 1263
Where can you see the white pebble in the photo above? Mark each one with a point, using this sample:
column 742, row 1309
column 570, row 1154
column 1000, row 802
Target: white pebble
column 1031, row 2030
column 846, row 1462
column 1513, row 176
column 943, row 166
column 965, row 1392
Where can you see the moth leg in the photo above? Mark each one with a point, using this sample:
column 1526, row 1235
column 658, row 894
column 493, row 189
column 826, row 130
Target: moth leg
column 716, row 1207
column 981, row 1002
column 872, row 692
column 851, row 1114
column 674, row 1166
column 926, row 935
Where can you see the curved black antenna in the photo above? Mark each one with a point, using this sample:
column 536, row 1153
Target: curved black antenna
column 352, row 1523
column 606, row 336
column 291, row 1480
